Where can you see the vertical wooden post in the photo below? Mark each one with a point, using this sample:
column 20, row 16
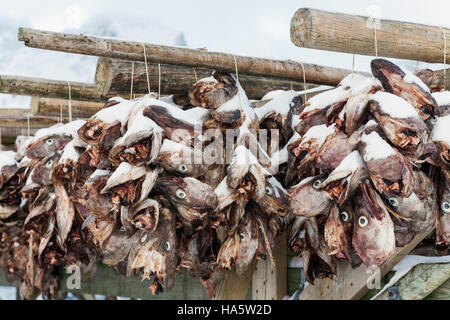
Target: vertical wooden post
column 233, row 287
column 270, row 283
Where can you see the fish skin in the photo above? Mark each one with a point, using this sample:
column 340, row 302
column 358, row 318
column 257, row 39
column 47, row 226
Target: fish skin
column 47, row 146
column 275, row 199
column 308, row 201
column 442, row 213
column 43, row 171
column 210, row 94
column 410, row 135
column 99, row 134
column 157, row 253
column 65, row 213
column 391, row 76
column 335, row 148
column 199, row 200
column 375, row 242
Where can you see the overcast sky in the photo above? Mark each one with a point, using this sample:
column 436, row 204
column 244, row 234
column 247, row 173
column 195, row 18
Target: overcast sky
column 246, row 27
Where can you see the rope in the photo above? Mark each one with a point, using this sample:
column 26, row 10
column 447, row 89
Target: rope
column 159, row 80
column 235, row 65
column 304, row 82
column 28, row 125
column 0, row 135
column 375, row 36
column 445, row 53
column 195, row 75
column 70, row 102
column 132, row 81
column 146, row 68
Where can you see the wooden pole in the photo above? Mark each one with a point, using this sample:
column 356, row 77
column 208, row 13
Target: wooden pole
column 422, row 280
column 52, row 107
column 113, row 78
column 29, row 86
column 271, row 283
column 339, row 32
column 351, row 284
column 127, row 50
column 233, row 287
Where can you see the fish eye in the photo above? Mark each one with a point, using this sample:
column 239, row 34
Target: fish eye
column 49, row 163
column 445, row 207
column 426, row 110
column 241, row 236
column 393, row 202
column 344, row 216
column 49, row 142
column 317, row 184
column 181, row 194
column 260, row 228
column 167, row 246
column 363, row 221
column 268, row 191
column 183, row 168
column 433, row 121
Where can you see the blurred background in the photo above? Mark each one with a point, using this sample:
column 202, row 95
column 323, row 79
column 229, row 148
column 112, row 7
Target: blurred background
column 252, row 27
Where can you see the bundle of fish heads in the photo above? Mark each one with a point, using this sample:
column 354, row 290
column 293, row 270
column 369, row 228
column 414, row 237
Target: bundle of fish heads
column 370, row 169
column 153, row 187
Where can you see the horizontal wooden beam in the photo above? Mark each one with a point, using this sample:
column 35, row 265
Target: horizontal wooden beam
column 198, row 58
column 113, row 78
column 54, row 106
column 351, row 284
column 29, row 86
column 316, row 29
column 422, row 280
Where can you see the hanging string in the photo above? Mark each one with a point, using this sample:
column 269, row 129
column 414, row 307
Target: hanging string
column 0, row 135
column 375, row 36
column 132, row 81
column 304, row 82
column 146, row 68
column 60, row 112
column 70, row 103
column 159, row 81
column 28, row 125
column 195, row 75
column 445, row 54
column 235, row 65
column 291, row 85
column 417, row 65
column 353, row 66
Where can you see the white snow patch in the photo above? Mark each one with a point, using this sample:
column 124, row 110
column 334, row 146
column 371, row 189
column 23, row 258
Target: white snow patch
column 280, row 104
column 69, row 153
column 7, row 158
column 352, row 161
column 99, row 173
column 394, row 106
column 442, row 98
column 441, row 130
column 412, row 78
column 376, row 147
column 319, row 132
column 118, row 112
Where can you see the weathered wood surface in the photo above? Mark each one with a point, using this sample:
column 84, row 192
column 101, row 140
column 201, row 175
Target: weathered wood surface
column 29, row 86
column 270, row 282
column 198, row 58
column 53, row 107
column 351, row 283
column 109, row 282
column 113, row 78
column 339, row 32
column 234, row 287
column 422, row 280
column 441, row 293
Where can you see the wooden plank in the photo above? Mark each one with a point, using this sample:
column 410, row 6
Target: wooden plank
column 233, row 287
column 109, row 282
column 351, row 283
column 53, row 107
column 441, row 293
column 270, row 283
column 339, row 32
column 113, row 78
column 422, row 280
column 29, row 86
column 198, row 58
